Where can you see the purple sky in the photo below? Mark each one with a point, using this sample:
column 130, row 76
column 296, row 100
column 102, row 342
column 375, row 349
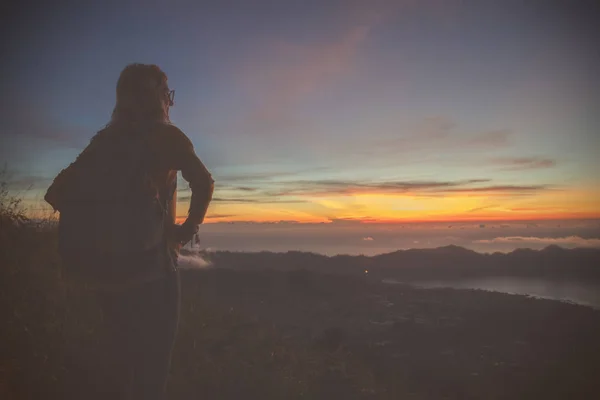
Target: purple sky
column 326, row 110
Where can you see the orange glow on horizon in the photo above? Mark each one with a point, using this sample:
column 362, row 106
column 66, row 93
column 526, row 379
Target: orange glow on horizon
column 388, row 209
column 448, row 219
column 393, row 208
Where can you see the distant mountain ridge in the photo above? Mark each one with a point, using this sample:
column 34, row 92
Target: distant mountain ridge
column 448, row 262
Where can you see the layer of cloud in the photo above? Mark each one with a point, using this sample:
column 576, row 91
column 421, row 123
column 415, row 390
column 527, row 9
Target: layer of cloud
column 292, row 71
column 247, row 200
column 262, row 200
column 570, row 240
column 297, row 191
column 23, row 118
column 489, row 139
column 435, row 127
column 241, row 180
column 501, row 189
column 482, row 208
column 434, row 138
column 341, row 187
column 523, row 163
column 193, row 260
column 213, row 216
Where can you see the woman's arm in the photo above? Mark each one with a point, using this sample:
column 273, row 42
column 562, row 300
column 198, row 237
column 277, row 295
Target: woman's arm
column 201, row 183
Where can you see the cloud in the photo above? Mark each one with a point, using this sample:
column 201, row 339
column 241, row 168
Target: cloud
column 526, row 209
column 23, row 118
column 291, row 72
column 570, row 240
column 215, row 216
column 251, row 187
column 501, row 189
column 345, row 221
column 341, row 187
column 233, row 180
column 472, row 210
column 368, row 239
column 523, row 163
column 433, row 138
column 316, row 194
column 436, row 127
column 261, row 200
column 490, row 139
column 247, row 200
column 194, row 260
column 209, row 216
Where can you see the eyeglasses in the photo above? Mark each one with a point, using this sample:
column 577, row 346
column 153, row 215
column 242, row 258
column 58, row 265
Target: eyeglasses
column 171, row 95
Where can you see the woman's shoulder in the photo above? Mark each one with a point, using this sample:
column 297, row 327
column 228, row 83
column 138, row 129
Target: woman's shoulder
column 172, row 136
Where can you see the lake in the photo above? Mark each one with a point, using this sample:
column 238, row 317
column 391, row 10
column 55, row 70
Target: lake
column 570, row 291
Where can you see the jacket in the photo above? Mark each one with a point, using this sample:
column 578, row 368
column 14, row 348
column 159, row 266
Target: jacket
column 174, row 152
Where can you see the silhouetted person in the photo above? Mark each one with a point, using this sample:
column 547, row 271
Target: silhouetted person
column 117, row 230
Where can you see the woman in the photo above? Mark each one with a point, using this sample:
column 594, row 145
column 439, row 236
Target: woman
column 140, row 307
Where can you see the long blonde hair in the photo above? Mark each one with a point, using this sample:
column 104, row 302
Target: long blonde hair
column 142, row 95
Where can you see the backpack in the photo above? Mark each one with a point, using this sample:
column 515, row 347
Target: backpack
column 112, row 208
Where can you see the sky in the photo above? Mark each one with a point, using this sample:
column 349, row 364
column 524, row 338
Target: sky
column 321, row 112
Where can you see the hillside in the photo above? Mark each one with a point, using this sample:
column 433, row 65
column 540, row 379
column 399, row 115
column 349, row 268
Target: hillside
column 269, row 326
column 553, row 262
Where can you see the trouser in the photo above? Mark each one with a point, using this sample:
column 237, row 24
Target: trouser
column 141, row 325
